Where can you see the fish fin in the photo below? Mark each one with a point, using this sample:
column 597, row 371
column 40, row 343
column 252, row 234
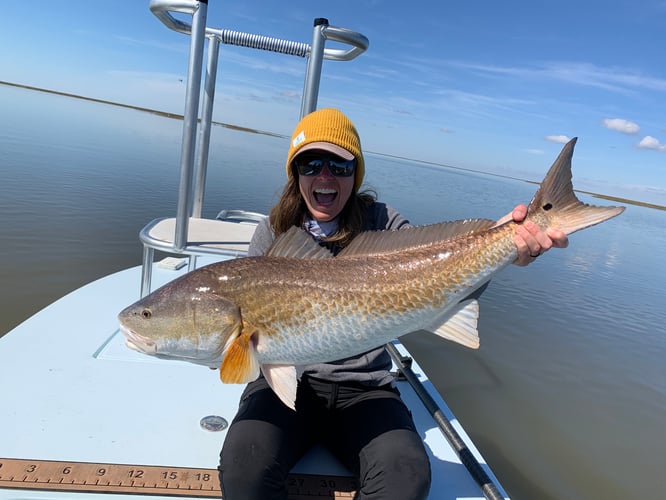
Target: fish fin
column 384, row 242
column 462, row 326
column 283, row 381
column 239, row 360
column 556, row 200
column 297, row 243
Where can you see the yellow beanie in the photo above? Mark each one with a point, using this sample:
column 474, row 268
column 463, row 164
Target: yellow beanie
column 329, row 130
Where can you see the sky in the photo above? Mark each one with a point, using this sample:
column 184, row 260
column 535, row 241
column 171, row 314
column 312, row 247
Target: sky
column 492, row 86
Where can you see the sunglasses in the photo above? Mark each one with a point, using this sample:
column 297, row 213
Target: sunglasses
column 313, row 164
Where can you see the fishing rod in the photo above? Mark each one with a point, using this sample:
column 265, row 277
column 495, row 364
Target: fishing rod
column 488, row 487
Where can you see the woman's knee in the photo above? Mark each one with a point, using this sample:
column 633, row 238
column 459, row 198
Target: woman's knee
column 395, row 465
column 250, row 467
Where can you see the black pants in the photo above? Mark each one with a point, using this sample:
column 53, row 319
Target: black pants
column 370, row 430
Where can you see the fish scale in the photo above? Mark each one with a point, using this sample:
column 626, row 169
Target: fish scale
column 366, row 295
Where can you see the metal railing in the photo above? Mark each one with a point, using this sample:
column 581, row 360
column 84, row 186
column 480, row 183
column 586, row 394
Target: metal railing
column 192, row 182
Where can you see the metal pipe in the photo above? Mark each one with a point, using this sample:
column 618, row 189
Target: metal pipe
column 359, row 43
column 161, row 8
column 261, row 42
column 205, row 127
column 313, row 68
column 146, row 270
column 190, row 120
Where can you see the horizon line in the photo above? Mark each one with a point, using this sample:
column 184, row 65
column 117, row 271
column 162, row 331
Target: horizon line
column 176, row 116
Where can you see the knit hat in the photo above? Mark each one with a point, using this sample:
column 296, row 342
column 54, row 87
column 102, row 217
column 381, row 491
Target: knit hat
column 329, row 130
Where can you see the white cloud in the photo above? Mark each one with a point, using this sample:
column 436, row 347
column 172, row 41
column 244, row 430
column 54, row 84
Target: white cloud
column 613, row 79
column 620, row 125
column 561, row 139
column 649, row 142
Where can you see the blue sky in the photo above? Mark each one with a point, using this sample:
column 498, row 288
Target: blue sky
column 493, row 86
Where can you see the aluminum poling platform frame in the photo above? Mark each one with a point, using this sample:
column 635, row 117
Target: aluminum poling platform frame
column 178, row 235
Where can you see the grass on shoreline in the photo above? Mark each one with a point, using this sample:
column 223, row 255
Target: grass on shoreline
column 272, row 134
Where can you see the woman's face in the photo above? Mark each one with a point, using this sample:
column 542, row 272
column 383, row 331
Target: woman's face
column 325, row 194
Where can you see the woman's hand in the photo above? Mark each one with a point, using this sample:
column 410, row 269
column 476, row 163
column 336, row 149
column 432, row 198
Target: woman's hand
column 530, row 240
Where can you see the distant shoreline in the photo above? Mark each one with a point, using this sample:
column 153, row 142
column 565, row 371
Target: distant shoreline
column 494, row 174
column 176, row 116
column 164, row 114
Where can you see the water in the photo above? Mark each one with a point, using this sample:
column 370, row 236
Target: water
column 566, row 397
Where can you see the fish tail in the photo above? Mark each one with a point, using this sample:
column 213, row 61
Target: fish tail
column 555, row 202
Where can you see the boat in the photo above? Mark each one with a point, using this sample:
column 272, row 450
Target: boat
column 85, row 417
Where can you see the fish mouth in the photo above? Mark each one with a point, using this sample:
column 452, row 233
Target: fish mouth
column 137, row 342
column 144, row 345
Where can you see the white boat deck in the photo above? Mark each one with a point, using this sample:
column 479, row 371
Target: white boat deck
column 72, row 392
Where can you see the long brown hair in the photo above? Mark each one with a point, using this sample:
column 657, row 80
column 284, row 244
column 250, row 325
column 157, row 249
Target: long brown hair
column 291, row 210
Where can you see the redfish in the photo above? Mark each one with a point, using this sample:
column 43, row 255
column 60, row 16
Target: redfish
column 298, row 305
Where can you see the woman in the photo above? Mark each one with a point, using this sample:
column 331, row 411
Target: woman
column 350, row 405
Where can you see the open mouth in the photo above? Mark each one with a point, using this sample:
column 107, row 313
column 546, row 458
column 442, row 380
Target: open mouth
column 138, row 343
column 325, row 196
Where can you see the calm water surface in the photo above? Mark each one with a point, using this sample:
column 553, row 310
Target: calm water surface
column 566, row 397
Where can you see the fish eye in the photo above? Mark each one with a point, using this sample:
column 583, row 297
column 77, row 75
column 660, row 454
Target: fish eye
column 146, row 314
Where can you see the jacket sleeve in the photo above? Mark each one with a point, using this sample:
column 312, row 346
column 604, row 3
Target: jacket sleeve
column 262, row 239
column 382, row 216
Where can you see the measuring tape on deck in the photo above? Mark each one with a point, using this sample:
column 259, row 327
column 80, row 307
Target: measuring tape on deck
column 91, row 477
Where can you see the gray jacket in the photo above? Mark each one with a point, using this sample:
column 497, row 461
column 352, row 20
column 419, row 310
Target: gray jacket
column 372, row 367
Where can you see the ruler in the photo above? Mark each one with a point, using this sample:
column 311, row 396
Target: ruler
column 93, row 477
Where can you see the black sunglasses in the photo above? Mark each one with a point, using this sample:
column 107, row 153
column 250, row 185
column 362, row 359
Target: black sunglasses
column 313, row 164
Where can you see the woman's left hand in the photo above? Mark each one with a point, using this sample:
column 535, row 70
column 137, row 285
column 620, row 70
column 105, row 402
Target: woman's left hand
column 530, row 240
